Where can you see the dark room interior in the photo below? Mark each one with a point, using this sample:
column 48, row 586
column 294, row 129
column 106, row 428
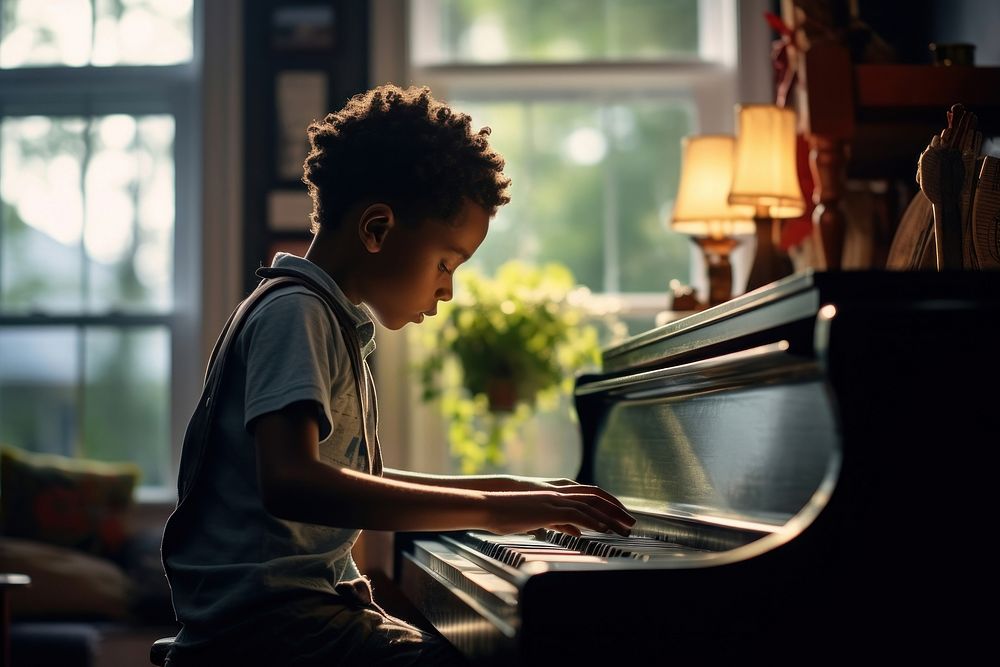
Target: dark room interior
column 732, row 311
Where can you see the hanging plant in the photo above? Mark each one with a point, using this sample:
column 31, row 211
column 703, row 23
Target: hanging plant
column 504, row 348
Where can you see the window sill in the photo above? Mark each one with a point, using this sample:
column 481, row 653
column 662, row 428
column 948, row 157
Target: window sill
column 152, row 496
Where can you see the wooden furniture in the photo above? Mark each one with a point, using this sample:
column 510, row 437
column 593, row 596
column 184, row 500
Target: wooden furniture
column 871, row 121
column 8, row 581
column 160, row 649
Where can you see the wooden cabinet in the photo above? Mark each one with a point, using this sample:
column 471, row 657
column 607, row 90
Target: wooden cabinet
column 871, row 121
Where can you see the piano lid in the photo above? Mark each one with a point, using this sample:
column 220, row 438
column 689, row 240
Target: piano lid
column 745, row 440
column 741, row 412
column 786, row 310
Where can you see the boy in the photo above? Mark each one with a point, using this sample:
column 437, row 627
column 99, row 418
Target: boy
column 258, row 551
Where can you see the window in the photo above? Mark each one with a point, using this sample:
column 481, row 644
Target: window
column 588, row 102
column 97, row 176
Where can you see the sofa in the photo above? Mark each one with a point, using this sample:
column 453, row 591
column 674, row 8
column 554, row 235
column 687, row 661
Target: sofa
column 98, row 596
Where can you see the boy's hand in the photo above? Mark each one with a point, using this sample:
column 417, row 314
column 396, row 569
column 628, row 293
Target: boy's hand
column 567, row 508
column 542, row 483
column 560, row 484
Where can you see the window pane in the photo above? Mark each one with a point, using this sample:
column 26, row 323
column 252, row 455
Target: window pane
column 591, row 183
column 42, row 214
column 647, row 168
column 126, row 398
column 503, row 31
column 95, row 32
column 118, row 412
column 87, row 214
column 128, row 234
column 39, row 376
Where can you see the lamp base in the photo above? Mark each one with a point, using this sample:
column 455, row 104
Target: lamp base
column 720, row 271
column 770, row 262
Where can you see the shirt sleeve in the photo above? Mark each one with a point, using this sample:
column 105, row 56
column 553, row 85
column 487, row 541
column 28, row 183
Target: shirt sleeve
column 289, row 346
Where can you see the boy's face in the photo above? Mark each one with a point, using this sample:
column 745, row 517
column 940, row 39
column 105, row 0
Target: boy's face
column 414, row 268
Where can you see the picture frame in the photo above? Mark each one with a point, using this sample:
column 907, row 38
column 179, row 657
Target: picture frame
column 303, row 26
column 300, row 98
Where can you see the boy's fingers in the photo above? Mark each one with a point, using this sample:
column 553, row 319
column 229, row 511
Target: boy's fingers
column 608, row 508
column 584, row 519
column 592, row 517
column 604, row 494
column 595, row 490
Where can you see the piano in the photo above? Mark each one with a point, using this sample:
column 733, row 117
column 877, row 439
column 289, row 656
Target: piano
column 813, row 470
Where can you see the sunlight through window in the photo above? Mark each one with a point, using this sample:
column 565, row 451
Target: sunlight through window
column 75, row 33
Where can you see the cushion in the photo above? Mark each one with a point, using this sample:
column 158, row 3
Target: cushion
column 65, row 583
column 67, row 502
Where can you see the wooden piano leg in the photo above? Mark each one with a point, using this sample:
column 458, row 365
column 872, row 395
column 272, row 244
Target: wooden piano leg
column 828, row 162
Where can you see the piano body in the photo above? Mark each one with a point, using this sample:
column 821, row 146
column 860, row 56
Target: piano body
column 812, row 467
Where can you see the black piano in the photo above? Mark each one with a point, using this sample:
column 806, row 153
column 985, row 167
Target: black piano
column 813, row 469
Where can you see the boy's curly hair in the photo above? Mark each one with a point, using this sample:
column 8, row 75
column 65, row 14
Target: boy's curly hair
column 405, row 148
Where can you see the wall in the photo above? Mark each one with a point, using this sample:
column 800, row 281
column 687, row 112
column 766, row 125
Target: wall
column 973, row 21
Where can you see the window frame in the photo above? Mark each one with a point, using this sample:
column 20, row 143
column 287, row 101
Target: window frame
column 138, row 90
column 749, row 80
column 725, row 73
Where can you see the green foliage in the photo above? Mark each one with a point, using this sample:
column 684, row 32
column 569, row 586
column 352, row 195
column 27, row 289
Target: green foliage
column 605, row 221
column 518, row 336
column 562, row 30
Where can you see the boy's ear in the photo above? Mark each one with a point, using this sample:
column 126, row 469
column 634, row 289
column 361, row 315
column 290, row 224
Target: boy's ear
column 374, row 225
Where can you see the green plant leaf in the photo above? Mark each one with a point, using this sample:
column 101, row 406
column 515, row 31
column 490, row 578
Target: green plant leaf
column 525, row 326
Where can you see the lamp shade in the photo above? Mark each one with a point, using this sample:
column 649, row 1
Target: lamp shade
column 764, row 174
column 702, row 207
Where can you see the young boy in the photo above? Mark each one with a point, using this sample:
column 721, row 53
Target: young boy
column 281, row 466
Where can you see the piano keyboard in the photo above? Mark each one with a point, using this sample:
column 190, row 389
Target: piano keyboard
column 470, row 584
column 550, row 546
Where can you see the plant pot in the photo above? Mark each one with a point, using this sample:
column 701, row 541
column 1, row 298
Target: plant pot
column 502, row 394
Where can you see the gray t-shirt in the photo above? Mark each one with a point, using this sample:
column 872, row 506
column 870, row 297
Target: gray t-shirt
column 239, row 562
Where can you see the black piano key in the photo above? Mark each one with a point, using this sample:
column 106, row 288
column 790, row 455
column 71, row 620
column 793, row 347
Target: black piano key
column 516, row 550
column 615, row 546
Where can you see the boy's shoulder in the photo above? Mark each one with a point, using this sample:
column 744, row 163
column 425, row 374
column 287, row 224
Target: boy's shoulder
column 293, row 306
column 287, row 299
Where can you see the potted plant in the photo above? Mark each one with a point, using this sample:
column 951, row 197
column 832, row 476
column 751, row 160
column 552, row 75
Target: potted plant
column 503, row 349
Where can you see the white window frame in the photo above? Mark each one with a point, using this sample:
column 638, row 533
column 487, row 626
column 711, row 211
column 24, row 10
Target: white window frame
column 139, row 90
column 734, row 67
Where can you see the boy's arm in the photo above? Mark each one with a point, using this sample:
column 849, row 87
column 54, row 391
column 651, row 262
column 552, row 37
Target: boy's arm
column 296, row 485
column 474, row 482
column 495, row 482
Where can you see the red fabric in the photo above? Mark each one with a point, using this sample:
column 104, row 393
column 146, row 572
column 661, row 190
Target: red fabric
column 68, row 502
column 794, row 230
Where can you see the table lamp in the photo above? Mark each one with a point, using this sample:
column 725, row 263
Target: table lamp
column 765, row 177
column 703, row 210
